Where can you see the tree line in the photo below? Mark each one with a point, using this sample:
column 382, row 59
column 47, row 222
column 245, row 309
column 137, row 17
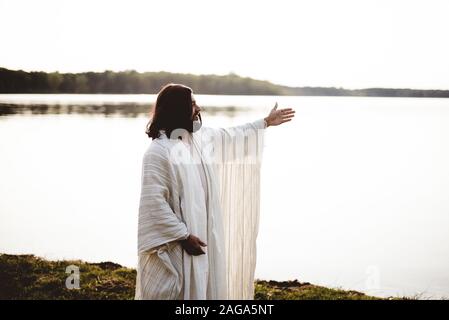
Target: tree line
column 19, row 81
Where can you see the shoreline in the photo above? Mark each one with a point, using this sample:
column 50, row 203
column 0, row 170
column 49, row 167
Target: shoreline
column 30, row 277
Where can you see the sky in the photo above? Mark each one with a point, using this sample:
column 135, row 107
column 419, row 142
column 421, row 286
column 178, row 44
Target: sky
column 346, row 43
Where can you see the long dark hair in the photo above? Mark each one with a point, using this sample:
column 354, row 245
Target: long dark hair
column 173, row 110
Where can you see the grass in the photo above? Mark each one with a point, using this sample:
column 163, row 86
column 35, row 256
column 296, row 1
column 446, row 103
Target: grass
column 31, row 277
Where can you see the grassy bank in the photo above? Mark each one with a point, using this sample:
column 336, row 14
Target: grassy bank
column 30, row 277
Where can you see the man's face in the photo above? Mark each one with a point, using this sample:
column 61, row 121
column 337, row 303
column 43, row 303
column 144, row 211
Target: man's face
column 195, row 110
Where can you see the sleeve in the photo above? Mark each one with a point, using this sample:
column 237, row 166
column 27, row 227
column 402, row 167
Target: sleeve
column 157, row 224
column 246, row 128
column 243, row 142
column 239, row 190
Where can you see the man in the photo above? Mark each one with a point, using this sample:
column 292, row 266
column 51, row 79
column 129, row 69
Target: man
column 199, row 204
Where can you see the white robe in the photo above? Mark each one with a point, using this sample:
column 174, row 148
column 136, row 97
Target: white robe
column 173, row 203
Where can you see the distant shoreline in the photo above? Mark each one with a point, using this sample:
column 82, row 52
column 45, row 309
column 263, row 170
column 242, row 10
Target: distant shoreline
column 133, row 82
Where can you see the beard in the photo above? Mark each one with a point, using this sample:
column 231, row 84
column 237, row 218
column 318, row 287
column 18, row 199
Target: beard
column 197, row 124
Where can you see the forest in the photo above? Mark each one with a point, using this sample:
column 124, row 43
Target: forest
column 133, row 82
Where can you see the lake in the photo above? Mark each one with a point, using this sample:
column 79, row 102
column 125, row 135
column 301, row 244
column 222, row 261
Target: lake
column 355, row 190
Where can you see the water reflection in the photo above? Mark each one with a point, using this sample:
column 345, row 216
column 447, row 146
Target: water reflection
column 130, row 110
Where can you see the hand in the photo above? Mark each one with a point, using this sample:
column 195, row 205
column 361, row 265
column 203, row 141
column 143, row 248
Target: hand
column 193, row 245
column 277, row 117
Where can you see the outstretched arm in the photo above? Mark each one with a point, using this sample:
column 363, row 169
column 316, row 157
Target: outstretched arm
column 229, row 143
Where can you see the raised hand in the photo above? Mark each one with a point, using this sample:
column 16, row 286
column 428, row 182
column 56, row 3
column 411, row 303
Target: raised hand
column 277, row 117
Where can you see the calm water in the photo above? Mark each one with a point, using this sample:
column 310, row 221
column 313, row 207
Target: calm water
column 355, row 191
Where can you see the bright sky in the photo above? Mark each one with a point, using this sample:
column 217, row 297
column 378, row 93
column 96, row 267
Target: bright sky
column 344, row 43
